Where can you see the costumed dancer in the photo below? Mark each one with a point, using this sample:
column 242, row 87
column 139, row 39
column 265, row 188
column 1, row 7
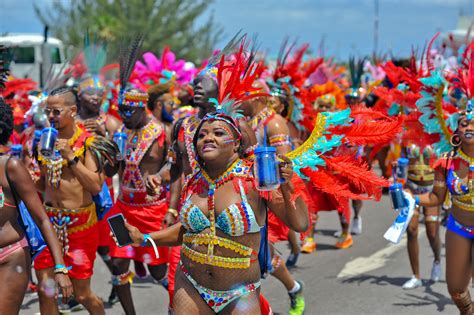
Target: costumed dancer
column 358, row 126
column 70, row 167
column 181, row 159
column 454, row 173
column 285, row 84
column 91, row 93
column 18, row 190
column 144, row 153
column 223, row 237
column 414, row 166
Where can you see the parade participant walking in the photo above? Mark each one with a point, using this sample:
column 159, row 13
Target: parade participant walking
column 69, row 179
column 145, row 153
column 453, row 181
column 420, row 181
column 263, row 119
column 91, row 95
column 15, row 260
column 225, row 155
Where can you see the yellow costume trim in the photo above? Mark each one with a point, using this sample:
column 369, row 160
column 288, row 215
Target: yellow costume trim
column 206, row 239
column 439, row 113
column 64, row 212
column 217, row 261
column 317, row 132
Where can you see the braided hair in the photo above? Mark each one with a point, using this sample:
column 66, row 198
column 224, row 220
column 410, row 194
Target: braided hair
column 6, row 123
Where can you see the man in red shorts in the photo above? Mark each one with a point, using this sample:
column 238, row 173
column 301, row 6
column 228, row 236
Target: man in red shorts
column 145, row 153
column 69, row 179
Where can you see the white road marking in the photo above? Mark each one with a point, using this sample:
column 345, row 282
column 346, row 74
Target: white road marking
column 379, row 259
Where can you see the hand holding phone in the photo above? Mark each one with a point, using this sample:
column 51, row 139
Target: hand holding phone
column 120, row 231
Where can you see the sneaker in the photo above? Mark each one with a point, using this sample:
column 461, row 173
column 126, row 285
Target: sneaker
column 337, row 234
column 292, row 259
column 74, row 306
column 344, row 242
column 413, row 283
column 140, row 270
column 297, row 304
column 309, row 245
column 113, row 298
column 356, row 227
column 436, row 271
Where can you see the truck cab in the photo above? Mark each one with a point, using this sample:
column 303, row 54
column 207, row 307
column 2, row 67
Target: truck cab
column 32, row 56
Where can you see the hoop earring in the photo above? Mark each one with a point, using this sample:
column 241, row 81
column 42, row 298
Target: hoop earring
column 455, row 140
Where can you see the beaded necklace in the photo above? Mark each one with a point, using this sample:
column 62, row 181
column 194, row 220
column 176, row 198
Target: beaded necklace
column 55, row 164
column 238, row 169
column 469, row 160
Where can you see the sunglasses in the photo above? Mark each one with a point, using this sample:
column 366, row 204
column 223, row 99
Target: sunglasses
column 56, row 111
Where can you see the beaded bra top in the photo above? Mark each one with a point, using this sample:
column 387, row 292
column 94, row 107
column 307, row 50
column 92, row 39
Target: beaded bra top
column 461, row 193
column 236, row 220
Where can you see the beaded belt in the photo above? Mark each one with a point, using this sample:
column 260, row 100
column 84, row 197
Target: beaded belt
column 218, row 261
column 63, row 221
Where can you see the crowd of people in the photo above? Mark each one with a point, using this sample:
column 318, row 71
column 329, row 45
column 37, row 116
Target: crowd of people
column 219, row 162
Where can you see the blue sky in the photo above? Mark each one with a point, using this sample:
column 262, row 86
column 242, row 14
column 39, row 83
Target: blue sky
column 345, row 25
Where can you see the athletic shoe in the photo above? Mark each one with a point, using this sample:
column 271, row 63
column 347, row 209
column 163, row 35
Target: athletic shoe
column 74, row 306
column 292, row 259
column 413, row 283
column 345, row 241
column 140, row 270
column 356, row 227
column 297, row 304
column 309, row 245
column 113, row 298
column 436, row 271
column 337, row 234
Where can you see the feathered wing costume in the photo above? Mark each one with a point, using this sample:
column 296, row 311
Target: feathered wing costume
column 288, row 80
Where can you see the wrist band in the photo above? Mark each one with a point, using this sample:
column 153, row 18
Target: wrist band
column 146, row 238
column 174, row 212
column 417, row 200
column 59, row 266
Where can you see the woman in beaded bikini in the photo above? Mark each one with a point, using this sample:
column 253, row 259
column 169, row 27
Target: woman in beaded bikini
column 220, row 225
column 454, row 181
column 223, row 212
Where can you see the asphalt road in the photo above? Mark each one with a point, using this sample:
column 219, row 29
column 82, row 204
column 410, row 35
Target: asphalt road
column 365, row 279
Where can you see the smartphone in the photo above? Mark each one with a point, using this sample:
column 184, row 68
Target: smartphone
column 117, row 225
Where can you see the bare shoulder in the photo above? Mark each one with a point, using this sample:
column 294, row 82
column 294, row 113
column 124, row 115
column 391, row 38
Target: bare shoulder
column 277, row 124
column 16, row 169
column 112, row 123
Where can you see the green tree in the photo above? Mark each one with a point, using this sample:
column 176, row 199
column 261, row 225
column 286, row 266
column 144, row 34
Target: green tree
column 165, row 22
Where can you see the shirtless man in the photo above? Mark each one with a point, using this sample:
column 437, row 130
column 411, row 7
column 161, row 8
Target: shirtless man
column 146, row 150
column 69, row 180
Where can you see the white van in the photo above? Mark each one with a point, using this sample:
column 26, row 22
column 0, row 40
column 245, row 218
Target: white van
column 32, row 57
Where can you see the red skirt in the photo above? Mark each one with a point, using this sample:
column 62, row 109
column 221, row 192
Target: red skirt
column 147, row 219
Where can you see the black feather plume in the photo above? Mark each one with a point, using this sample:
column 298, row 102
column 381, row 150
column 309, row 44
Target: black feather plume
column 128, row 57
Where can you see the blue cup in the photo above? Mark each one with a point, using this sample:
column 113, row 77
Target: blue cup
column 120, row 138
column 398, row 198
column 16, row 150
column 267, row 175
column 48, row 141
column 402, row 170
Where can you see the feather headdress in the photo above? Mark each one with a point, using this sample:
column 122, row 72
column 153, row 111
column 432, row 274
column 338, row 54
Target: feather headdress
column 289, row 77
column 128, row 57
column 95, row 57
